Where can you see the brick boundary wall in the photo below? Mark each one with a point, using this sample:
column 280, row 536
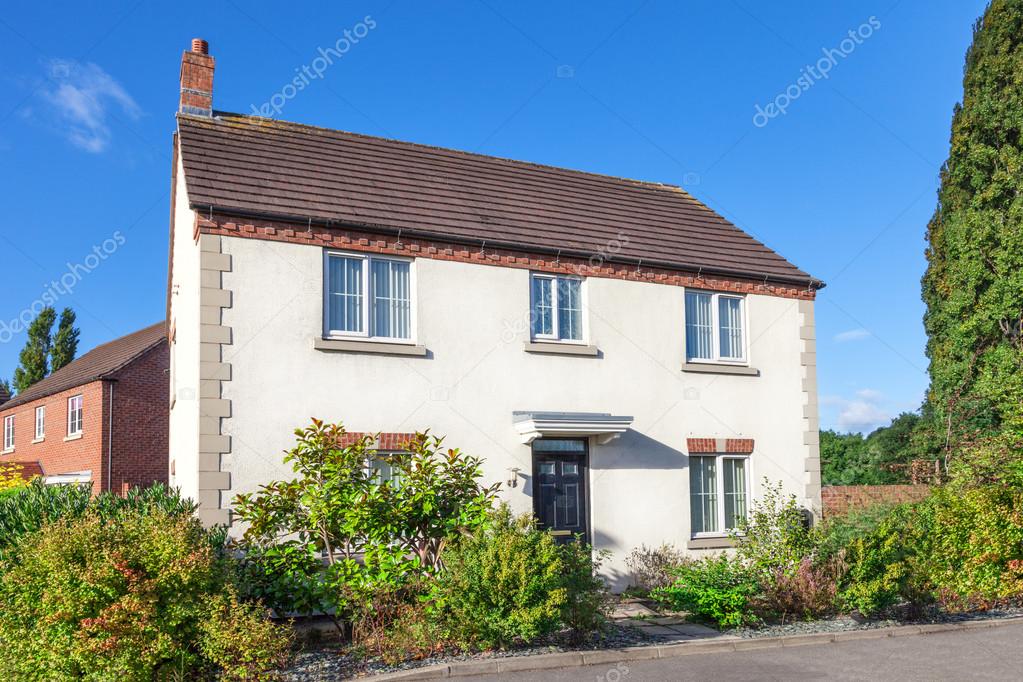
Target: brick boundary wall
column 840, row 499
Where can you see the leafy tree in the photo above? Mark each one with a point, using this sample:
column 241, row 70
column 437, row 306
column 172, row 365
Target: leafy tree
column 973, row 287
column 889, row 454
column 65, row 341
column 5, row 389
column 34, row 358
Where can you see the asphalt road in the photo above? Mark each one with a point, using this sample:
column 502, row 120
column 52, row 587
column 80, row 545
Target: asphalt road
column 983, row 654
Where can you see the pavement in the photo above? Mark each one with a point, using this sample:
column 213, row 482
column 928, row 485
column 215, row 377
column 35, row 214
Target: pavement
column 992, row 652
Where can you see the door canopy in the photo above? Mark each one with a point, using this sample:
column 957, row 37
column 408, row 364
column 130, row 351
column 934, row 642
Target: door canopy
column 605, row 427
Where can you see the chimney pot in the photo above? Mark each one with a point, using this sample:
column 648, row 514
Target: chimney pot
column 200, row 46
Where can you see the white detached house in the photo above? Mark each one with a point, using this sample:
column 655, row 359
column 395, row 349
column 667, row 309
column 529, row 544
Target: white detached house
column 629, row 364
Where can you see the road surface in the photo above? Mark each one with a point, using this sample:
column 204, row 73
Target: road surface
column 982, row 654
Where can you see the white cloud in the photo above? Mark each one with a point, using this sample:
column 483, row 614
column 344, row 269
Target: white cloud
column 862, row 413
column 852, row 335
column 82, row 97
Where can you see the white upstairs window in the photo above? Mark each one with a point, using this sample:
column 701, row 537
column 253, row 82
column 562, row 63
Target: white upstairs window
column 556, row 307
column 715, row 327
column 40, row 422
column 368, row 296
column 74, row 415
column 8, row 432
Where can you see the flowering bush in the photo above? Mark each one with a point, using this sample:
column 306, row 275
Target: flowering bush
column 653, row 567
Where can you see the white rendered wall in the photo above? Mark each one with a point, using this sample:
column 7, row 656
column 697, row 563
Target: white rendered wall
column 473, row 319
column 184, row 317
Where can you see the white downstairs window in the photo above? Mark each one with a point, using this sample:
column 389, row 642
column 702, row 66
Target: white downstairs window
column 368, row 296
column 556, row 307
column 715, row 327
column 718, row 493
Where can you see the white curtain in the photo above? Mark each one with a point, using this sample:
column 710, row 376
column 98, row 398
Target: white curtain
column 391, row 301
column 570, row 309
column 699, row 326
column 703, row 494
column 730, row 319
column 543, row 307
column 344, row 288
column 735, row 492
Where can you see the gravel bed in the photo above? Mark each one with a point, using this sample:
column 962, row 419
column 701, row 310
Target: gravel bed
column 844, row 623
column 329, row 663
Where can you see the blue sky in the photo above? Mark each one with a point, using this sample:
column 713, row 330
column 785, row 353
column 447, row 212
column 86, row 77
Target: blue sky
column 842, row 183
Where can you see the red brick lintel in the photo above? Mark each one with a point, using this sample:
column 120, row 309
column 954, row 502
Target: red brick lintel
column 741, row 446
column 355, row 240
column 382, row 441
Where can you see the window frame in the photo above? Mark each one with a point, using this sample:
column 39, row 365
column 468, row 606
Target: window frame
column 367, row 298
column 555, row 298
column 40, row 423
column 719, row 489
column 8, row 443
column 81, row 416
column 716, row 358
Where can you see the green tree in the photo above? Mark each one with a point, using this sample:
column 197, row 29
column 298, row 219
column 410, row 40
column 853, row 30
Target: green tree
column 65, row 341
column 973, row 287
column 5, row 389
column 34, row 358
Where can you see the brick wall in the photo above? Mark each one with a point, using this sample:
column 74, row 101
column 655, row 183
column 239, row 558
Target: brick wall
column 839, row 499
column 140, row 421
column 56, row 454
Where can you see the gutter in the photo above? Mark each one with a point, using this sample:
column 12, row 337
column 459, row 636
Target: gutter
column 810, row 282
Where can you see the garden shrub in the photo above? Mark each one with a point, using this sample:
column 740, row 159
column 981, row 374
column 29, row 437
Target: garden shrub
column 774, row 535
column 333, row 537
column 654, row 567
column 715, row 589
column 502, row 585
column 809, row 591
column 834, row 533
column 93, row 598
column 239, row 639
column 37, row 504
column 513, row 583
column 879, row 574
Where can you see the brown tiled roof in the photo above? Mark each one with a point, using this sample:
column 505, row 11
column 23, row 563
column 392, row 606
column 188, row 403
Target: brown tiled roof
column 27, row 470
column 98, row 363
column 251, row 166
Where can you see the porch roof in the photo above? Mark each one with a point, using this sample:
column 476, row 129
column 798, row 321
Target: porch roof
column 605, row 426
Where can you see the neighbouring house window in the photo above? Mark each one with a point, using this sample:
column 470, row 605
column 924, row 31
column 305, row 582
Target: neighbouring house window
column 715, row 327
column 556, row 310
column 718, row 490
column 9, row 432
column 368, row 296
column 74, row 415
column 40, row 422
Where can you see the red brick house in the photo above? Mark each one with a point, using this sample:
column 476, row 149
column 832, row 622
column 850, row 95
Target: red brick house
column 101, row 419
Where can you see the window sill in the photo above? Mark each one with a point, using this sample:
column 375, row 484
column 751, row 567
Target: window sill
column 346, row 346
column 38, row 440
column 719, row 368
column 76, row 436
column 6, row 452
column 710, row 543
column 561, row 348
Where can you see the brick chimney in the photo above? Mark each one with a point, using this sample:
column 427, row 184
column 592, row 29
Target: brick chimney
column 197, row 80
